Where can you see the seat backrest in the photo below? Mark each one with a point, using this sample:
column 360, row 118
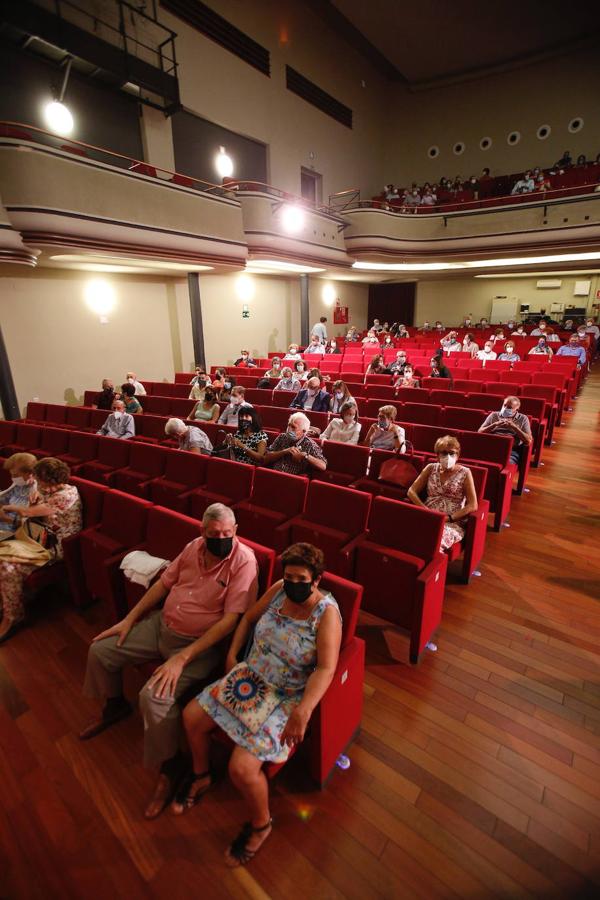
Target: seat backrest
column 7, row 432
column 92, row 499
column 402, row 526
column 350, row 459
column 147, row 458
column 54, row 440
column 82, row 446
column 337, row 507
column 36, row 412
column 181, row 407
column 275, row 416
column 479, row 401
column 554, row 379
column 113, row 452
column 232, row 479
column 150, row 426
column 28, row 436
column 462, row 417
column 446, row 398
column 56, row 413
column 533, row 406
column 421, row 413
column 486, row 447
column 97, row 418
column 260, row 396
column 543, row 391
column 279, row 491
column 503, row 388
column 124, row 517
column 423, row 437
column 265, row 557
column 77, row 416
column 158, row 406
column 181, row 391
column 168, row 532
column 183, row 467
column 516, row 377
column 382, row 391
column 348, row 596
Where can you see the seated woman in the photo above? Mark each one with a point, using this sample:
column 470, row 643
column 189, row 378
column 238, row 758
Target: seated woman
column 450, row 489
column 541, row 349
column 332, row 347
column 345, row 427
column 199, row 373
column 388, row 342
column 339, row 395
column 370, row 337
column 58, row 505
column 292, row 352
column 275, row 370
column 406, row 378
column 498, row 336
column 132, row 404
column 469, row 345
column 207, row 409
column 508, row 354
column 384, row 434
column 288, row 382
column 376, row 366
column 20, row 467
column 300, row 370
column 291, row 663
column 249, row 443
column 439, row 370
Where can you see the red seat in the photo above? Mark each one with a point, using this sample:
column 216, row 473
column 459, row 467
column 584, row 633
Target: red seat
column 493, row 451
column 181, row 391
column 333, row 516
column 122, row 526
column 8, row 432
column 503, row 388
column 374, row 486
column 421, row 413
column 56, row 413
column 181, row 408
column 36, row 412
column 265, row 558
column 53, row 442
column 183, row 472
column 463, row 384
column 97, row 418
column 261, row 396
column 447, row 398
column 275, row 499
column 157, row 406
column 92, row 500
column 383, row 391
column 461, row 417
column 146, row 461
column 149, row 428
column 402, row 571
column 227, row 482
column 275, row 417
column 345, row 463
column 77, row 417
column 81, row 448
column 26, row 439
column 112, row 454
column 484, row 375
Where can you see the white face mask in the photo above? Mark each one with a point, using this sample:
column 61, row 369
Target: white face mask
column 117, row 413
column 236, row 401
column 581, row 334
column 448, row 462
column 339, row 395
column 131, row 380
column 19, row 481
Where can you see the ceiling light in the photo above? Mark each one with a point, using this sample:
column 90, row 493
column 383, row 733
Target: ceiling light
column 292, row 219
column 58, row 118
column 407, row 267
column 530, row 260
column 223, row 164
column 268, row 266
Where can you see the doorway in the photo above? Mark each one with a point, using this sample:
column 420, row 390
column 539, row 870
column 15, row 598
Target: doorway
column 311, row 186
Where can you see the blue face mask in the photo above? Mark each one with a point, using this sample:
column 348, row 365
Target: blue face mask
column 507, row 412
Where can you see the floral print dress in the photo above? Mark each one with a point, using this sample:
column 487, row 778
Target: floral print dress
column 284, row 653
column 447, row 498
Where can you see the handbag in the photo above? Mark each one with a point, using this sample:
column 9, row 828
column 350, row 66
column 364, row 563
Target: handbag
column 32, row 543
column 247, row 696
column 399, row 471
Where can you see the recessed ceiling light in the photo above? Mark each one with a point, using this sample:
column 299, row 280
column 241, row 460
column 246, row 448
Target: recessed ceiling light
column 266, row 266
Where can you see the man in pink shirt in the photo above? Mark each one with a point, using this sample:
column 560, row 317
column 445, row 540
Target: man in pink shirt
column 205, row 591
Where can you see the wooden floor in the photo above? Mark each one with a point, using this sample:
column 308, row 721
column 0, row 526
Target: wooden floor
column 476, row 774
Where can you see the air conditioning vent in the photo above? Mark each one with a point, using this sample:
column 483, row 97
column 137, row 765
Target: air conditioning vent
column 549, row 283
column 316, row 96
column 218, row 29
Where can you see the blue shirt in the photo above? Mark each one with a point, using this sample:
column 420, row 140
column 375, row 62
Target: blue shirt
column 568, row 350
column 15, row 495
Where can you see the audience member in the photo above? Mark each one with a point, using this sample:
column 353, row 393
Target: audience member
column 429, row 198
column 425, row 326
column 388, row 343
column 294, row 651
column 315, row 346
column 319, row 330
column 207, row 409
column 498, row 336
column 346, row 427
column 542, row 183
column 340, row 395
column 189, row 438
column 332, row 347
column 524, row 185
column 312, row 397
column 390, row 192
column 275, row 370
column 450, row 343
column 352, row 335
column 205, row 590
column 376, row 366
column 198, row 389
column 132, row 404
column 384, row 434
column 287, row 381
column 406, row 378
column 569, row 325
column 199, row 375
column 398, row 364
column 438, row 369
column 292, row 352
column 245, row 360
column 519, row 331
column 249, row 443
column 573, row 348
column 370, row 337
column 118, row 424
column 591, row 328
column 565, row 162
column 483, row 324
column 229, row 416
column 104, row 400
column 542, row 347
column 293, row 451
column 488, row 352
column 540, row 329
column 508, row 354
column 450, row 490
column 58, row 507
column 552, row 337
column 439, row 327
column 511, row 422
column 472, row 185
column 301, row 370
column 469, row 345
column 131, row 377
column 20, row 468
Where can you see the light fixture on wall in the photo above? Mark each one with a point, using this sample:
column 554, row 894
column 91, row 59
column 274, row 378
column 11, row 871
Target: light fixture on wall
column 58, row 116
column 223, row 164
column 328, row 294
column 245, row 287
column 292, row 219
column 100, row 297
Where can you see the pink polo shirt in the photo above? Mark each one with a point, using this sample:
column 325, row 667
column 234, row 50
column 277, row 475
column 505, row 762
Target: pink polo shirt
column 199, row 596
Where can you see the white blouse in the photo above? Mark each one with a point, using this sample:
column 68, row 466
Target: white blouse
column 337, row 430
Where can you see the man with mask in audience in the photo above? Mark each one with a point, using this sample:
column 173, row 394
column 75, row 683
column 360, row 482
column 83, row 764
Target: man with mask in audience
column 573, row 348
column 229, row 416
column 132, row 378
column 312, row 397
column 397, row 367
column 293, row 451
column 189, row 438
column 106, row 397
column 205, row 590
column 119, row 424
column 592, row 329
column 511, row 422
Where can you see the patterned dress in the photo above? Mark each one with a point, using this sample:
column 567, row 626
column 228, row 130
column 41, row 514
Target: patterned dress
column 447, row 498
column 284, row 653
column 63, row 522
column 251, row 441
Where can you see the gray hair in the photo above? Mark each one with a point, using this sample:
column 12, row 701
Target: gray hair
column 300, row 417
column 216, row 512
column 174, row 426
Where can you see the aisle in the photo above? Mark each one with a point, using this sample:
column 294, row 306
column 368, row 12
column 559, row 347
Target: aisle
column 475, row 775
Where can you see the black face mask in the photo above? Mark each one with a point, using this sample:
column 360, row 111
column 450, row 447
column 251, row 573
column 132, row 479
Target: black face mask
column 244, row 424
column 297, row 591
column 220, row 547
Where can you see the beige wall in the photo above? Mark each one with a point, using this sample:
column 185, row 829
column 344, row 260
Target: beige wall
column 354, row 296
column 546, row 93
column 450, row 300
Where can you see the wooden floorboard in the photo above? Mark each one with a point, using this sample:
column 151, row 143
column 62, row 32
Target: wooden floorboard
column 475, row 775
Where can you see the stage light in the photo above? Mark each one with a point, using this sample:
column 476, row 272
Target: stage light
column 58, row 118
column 292, row 219
column 223, row 164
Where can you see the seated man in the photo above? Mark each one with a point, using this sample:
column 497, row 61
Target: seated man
column 293, row 451
column 105, row 399
column 315, row 345
column 397, row 367
column 541, row 329
column 511, row 422
column 119, row 424
column 450, row 343
column 229, row 416
column 245, row 360
column 190, row 438
column 312, row 397
column 205, row 590
column 573, row 348
column 131, row 377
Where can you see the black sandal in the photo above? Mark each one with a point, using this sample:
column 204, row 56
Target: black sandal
column 184, row 797
column 238, row 849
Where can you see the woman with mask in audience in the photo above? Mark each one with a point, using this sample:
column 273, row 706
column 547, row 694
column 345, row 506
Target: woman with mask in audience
column 498, row 336
column 370, row 338
column 249, row 443
column 384, row 434
column 376, row 366
column 288, row 381
column 332, row 347
column 388, row 343
column 245, row 360
column 519, row 331
column 406, row 379
column 450, row 490
column 132, row 404
column 20, row 468
column 438, row 369
column 352, row 335
column 488, row 352
column 508, row 354
column 293, row 352
column 345, row 427
column 222, row 384
column 207, row 409
column 199, row 375
column 469, row 345
column 291, row 663
column 542, row 348
column 340, row 395
column 275, row 370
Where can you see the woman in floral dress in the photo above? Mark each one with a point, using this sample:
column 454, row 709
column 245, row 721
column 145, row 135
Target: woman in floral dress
column 249, row 442
column 450, row 490
column 59, row 506
column 292, row 660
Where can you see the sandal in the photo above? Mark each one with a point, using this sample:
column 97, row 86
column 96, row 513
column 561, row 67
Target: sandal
column 185, row 798
column 238, row 851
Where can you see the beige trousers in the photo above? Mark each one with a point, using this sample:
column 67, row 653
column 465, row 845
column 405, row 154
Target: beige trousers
column 148, row 640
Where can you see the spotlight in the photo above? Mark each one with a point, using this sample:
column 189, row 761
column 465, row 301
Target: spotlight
column 100, row 296
column 328, row 294
column 244, row 287
column 292, row 219
column 58, row 118
column 223, row 164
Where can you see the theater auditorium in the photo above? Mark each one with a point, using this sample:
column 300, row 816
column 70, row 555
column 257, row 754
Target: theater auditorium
column 299, row 330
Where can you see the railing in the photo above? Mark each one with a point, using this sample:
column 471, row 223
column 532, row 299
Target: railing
column 342, row 200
